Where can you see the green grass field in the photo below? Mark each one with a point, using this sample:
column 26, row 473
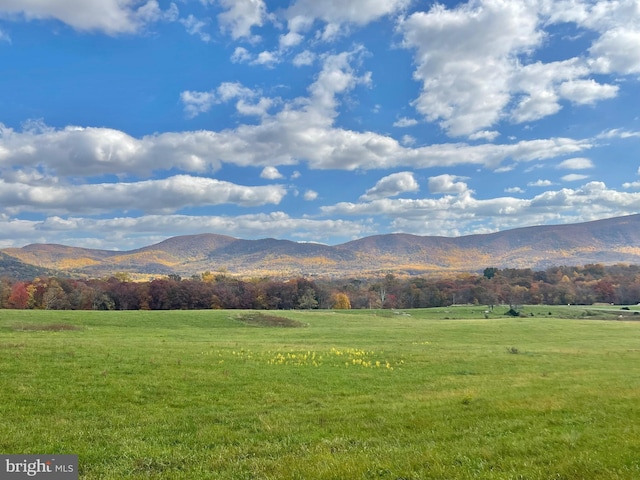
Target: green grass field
column 438, row 393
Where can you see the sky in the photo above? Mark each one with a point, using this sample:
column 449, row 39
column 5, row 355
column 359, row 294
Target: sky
column 125, row 122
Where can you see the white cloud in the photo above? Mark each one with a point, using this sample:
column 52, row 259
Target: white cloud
column 618, row 133
column 310, row 195
column 537, row 87
column 196, row 103
column 574, row 177
column 165, row 195
column 266, row 58
column 195, row 26
column 466, row 57
column 405, row 122
column 270, row 173
column 305, row 58
column 576, row 164
column 489, row 135
column 290, row 39
column 540, row 183
column 241, row 16
column 617, row 51
column 259, row 109
column 460, row 214
column 241, row 55
column 109, row 16
column 286, row 138
column 336, row 14
column 301, row 131
column 474, row 60
column 447, row 184
column 514, row 190
column 617, row 22
column 408, row 140
column 587, row 92
column 4, row 37
column 392, row 185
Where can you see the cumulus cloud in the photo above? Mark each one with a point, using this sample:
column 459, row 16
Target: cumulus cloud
column 165, row 195
column 536, row 85
column 489, row 135
column 266, row 58
column 616, row 51
column 109, row 16
column 447, row 184
column 241, row 55
column 240, row 16
column 287, row 138
column 270, row 173
column 196, row 103
column 473, row 60
column 302, row 14
column 302, row 130
column 460, row 214
column 617, row 25
column 465, row 58
column 587, row 92
column 291, row 39
column 310, row 195
column 305, row 58
column 405, row 122
column 392, row 185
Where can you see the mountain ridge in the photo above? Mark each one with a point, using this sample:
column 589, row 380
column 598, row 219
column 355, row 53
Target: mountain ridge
column 612, row 240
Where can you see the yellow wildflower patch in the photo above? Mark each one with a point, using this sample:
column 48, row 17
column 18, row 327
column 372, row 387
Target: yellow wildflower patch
column 348, row 357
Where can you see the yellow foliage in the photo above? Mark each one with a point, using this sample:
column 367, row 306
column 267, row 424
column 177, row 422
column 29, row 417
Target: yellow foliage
column 341, row 302
column 73, row 263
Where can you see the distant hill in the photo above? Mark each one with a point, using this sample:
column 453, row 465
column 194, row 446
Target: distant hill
column 614, row 240
column 13, row 268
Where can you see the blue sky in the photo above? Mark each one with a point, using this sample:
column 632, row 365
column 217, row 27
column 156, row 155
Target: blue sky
column 125, row 122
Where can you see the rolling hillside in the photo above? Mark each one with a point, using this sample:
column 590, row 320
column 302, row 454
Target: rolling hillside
column 604, row 241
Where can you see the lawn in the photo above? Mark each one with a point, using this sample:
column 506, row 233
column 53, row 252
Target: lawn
column 439, row 393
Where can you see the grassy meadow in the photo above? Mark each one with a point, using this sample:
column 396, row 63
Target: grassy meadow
column 437, row 393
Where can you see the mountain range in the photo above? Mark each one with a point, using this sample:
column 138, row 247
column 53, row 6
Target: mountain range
column 609, row 241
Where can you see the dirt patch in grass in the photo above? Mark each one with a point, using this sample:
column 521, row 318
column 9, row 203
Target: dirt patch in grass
column 49, row 327
column 264, row 320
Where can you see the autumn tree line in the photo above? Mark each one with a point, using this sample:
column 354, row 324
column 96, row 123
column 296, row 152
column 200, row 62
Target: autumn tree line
column 589, row 284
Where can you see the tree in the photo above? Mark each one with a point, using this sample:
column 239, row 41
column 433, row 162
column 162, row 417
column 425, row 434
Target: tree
column 308, row 299
column 55, row 297
column 19, row 296
column 341, row 302
column 490, row 272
